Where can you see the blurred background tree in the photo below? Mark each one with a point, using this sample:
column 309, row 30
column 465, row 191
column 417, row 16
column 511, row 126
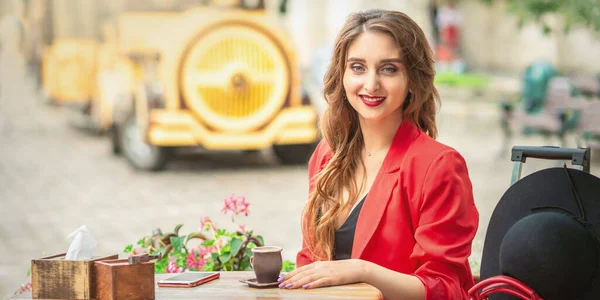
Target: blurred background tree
column 573, row 12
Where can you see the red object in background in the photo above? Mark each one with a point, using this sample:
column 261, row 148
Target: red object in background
column 444, row 53
column 450, row 36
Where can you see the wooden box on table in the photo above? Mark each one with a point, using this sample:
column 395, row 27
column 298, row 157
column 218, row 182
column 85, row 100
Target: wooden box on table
column 120, row 280
column 54, row 277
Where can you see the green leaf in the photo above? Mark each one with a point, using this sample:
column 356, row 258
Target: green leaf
column 251, row 246
column 177, row 242
column 209, row 266
column 176, row 230
column 161, row 265
column 225, row 257
column 214, row 256
column 181, row 261
column 245, row 265
column 288, row 266
column 260, row 238
column 221, row 232
column 208, row 243
column 226, row 248
column 142, row 241
column 547, row 30
column 128, row 249
column 29, row 272
column 236, row 244
column 248, row 252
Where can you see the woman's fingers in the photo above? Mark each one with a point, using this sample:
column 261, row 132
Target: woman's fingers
column 320, row 274
column 289, row 282
column 321, row 282
column 295, row 272
column 303, row 282
column 291, row 274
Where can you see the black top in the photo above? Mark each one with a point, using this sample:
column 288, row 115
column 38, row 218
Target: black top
column 344, row 237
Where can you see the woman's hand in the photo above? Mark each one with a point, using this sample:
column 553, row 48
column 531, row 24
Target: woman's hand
column 324, row 273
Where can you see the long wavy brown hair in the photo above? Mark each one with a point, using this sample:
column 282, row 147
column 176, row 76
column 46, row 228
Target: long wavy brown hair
column 340, row 126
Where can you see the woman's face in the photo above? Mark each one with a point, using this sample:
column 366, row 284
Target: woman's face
column 375, row 81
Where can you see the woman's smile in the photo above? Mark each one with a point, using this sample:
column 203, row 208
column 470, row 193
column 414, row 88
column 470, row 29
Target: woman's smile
column 371, row 101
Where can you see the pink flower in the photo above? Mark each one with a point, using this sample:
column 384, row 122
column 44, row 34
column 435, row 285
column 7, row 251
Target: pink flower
column 244, row 207
column 138, row 250
column 243, row 228
column 206, row 221
column 236, row 204
column 23, row 288
column 230, row 204
column 193, row 262
column 172, row 267
column 205, row 251
column 198, row 257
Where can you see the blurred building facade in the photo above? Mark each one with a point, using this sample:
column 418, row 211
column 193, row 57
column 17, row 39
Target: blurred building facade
column 490, row 38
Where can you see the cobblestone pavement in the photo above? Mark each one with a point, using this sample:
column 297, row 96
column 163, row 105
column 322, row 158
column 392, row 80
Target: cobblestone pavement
column 55, row 178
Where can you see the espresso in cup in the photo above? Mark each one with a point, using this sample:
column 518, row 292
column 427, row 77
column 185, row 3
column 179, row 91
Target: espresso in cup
column 266, row 262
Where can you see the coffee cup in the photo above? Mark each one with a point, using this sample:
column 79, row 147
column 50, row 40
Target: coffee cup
column 266, row 262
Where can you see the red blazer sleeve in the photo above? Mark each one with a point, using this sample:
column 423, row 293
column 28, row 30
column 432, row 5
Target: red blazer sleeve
column 316, row 163
column 447, row 223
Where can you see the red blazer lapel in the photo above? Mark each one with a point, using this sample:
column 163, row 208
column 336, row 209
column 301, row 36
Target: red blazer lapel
column 372, row 210
column 383, row 187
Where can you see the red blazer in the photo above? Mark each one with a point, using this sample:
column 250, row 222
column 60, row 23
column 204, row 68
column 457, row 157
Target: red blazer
column 419, row 217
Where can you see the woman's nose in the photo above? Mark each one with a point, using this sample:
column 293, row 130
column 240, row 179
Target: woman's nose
column 371, row 84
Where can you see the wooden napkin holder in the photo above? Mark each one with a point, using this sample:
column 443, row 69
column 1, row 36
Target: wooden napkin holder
column 53, row 277
column 119, row 280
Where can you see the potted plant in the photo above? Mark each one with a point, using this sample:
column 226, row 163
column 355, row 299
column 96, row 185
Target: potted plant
column 218, row 250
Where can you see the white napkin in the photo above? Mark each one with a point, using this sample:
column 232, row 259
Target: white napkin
column 82, row 244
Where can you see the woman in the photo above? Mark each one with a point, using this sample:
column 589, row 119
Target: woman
column 388, row 204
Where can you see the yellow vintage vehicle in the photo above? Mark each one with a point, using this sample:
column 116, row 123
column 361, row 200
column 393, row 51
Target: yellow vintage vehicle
column 88, row 76
column 210, row 77
column 220, row 80
column 67, row 67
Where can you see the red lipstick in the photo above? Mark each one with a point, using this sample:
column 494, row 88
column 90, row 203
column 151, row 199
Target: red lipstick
column 371, row 101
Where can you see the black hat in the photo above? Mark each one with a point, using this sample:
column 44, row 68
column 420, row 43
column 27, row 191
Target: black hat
column 543, row 233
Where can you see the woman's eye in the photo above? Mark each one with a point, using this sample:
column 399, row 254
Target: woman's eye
column 389, row 69
column 357, row 68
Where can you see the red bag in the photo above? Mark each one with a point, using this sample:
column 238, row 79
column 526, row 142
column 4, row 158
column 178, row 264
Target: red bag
column 502, row 284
